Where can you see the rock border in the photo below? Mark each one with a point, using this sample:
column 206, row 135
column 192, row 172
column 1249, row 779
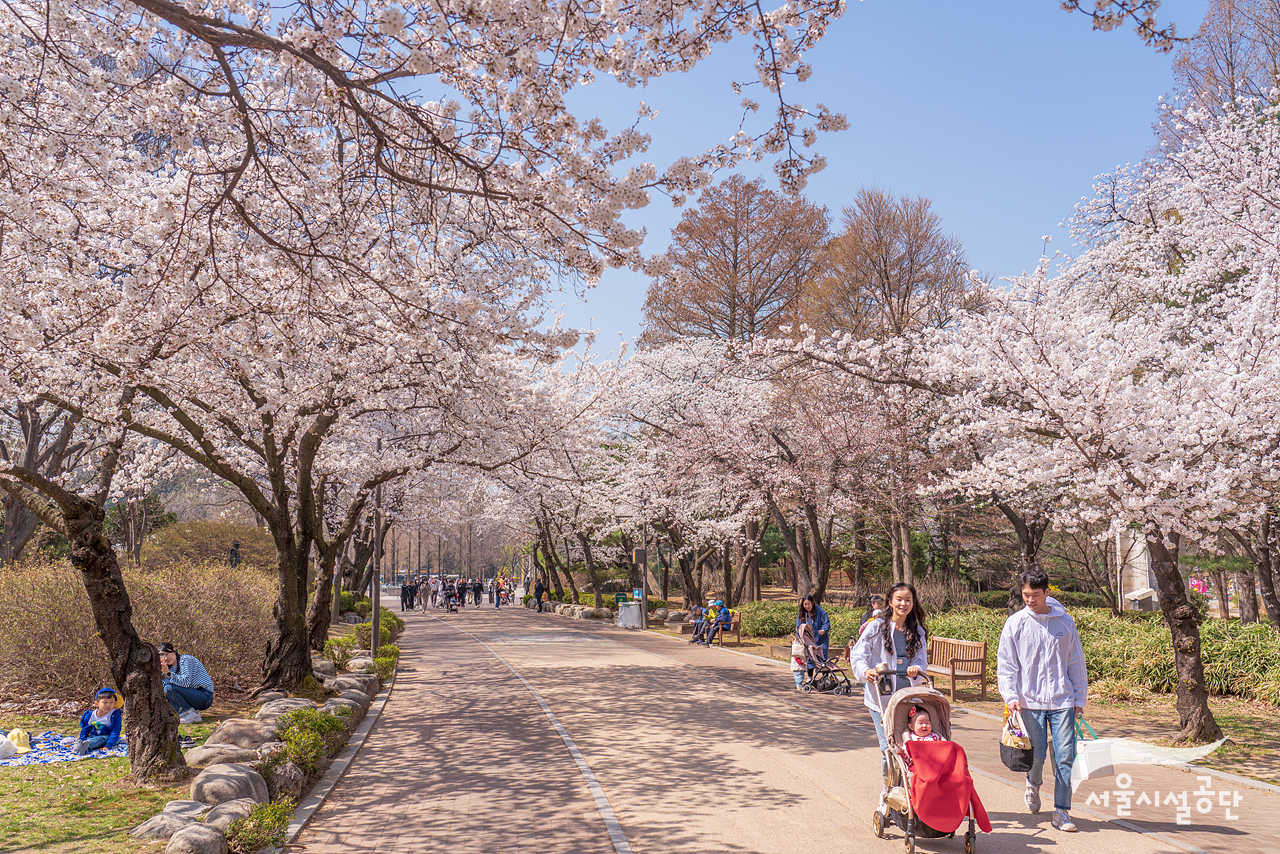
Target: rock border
column 337, row 769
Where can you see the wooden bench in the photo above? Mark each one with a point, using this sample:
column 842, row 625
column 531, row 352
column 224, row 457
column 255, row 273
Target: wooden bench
column 735, row 626
column 958, row 660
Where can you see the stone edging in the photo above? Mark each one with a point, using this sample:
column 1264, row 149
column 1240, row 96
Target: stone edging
column 337, row 768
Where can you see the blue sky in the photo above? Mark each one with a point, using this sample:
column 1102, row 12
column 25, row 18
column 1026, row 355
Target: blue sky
column 1001, row 111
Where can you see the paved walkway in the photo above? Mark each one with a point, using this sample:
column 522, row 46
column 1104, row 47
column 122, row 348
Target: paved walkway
column 520, row 732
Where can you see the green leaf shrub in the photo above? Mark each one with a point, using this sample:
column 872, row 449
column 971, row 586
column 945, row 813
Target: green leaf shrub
column 768, row 619
column 655, row 604
column 310, row 737
column 385, row 668
column 364, row 632
column 266, row 827
column 389, row 650
column 1136, row 650
column 339, row 651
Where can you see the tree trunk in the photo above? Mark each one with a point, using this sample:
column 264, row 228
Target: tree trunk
column 908, row 557
column 1248, row 587
column 1197, row 721
column 859, row 550
column 895, row 548
column 793, row 539
column 567, row 566
column 1259, row 544
column 287, row 661
column 592, row 575
column 1224, row 593
column 150, row 725
column 1030, row 531
column 320, row 612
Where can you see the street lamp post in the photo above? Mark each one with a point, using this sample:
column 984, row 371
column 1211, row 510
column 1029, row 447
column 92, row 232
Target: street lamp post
column 376, row 635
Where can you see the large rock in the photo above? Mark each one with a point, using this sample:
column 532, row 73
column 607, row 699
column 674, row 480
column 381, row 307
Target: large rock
column 277, row 708
column 357, row 696
column 660, row 614
column 351, row 618
column 229, row 781
column 222, row 815
column 214, row 754
column 287, row 781
column 161, row 826
column 197, row 839
column 187, row 809
column 268, row 696
column 364, row 682
column 270, row 747
column 360, row 665
column 322, row 667
column 244, row 733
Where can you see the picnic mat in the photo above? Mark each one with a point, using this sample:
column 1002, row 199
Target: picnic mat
column 52, row 747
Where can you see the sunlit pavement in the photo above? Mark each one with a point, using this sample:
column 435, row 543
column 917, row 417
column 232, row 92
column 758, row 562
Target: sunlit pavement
column 683, row 749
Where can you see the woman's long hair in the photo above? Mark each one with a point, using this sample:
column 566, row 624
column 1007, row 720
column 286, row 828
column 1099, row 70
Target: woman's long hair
column 915, row 620
column 807, row 614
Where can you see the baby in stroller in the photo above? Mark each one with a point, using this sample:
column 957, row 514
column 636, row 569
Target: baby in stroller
column 821, row 674
column 930, row 790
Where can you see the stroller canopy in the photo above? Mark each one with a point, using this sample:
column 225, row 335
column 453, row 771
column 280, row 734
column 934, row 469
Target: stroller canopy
column 894, row 717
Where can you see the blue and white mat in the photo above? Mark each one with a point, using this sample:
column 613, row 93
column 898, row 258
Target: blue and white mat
column 52, row 747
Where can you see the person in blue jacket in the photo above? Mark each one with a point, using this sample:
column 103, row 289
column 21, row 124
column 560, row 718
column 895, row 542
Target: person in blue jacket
column 100, row 726
column 724, row 619
column 812, row 615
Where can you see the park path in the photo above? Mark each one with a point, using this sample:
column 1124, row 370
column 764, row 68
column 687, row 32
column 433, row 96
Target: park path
column 676, row 748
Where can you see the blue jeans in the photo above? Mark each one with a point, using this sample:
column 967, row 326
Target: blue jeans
column 87, row 745
column 884, row 744
column 1061, row 722
column 183, row 698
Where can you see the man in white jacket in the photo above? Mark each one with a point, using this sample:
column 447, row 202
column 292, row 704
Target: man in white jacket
column 1041, row 672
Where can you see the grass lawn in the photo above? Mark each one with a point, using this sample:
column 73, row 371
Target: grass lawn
column 91, row 805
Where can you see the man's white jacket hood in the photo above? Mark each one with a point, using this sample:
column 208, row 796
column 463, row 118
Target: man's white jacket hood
column 1040, row 662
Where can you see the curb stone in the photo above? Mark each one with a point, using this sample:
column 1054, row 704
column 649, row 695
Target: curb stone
column 337, row 769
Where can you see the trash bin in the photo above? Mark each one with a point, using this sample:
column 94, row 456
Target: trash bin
column 629, row 616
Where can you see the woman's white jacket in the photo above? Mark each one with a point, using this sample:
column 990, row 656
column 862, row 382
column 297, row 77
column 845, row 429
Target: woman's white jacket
column 869, row 652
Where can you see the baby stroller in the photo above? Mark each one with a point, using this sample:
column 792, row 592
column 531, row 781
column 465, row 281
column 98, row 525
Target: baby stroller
column 825, row 676
column 931, row 797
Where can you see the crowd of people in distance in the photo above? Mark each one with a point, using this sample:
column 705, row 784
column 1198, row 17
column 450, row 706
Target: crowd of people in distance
column 454, row 593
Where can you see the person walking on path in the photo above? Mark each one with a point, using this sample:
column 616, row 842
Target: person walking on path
column 539, row 590
column 1041, row 673
column 896, row 640
column 477, row 589
column 812, row 615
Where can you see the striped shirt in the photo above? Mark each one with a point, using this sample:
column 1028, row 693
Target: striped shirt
column 190, row 673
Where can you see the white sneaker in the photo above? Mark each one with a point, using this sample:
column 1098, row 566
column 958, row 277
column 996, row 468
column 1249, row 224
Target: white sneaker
column 1063, row 822
column 1032, row 798
column 190, row 716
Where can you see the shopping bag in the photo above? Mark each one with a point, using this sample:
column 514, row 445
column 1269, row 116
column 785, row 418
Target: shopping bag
column 1093, row 755
column 1015, row 745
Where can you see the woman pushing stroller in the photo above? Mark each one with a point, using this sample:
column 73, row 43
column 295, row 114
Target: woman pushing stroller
column 889, row 653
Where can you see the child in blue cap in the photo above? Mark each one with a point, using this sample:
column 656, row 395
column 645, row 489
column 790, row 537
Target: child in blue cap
column 100, row 726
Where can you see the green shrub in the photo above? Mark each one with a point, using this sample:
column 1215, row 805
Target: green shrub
column 768, row 619
column 528, row 597
column 266, row 827
column 655, row 604
column 310, row 737
column 390, row 618
column 385, row 668
column 1136, row 650
column 994, row 598
column 389, row 650
column 364, row 632
column 351, row 602
column 339, row 651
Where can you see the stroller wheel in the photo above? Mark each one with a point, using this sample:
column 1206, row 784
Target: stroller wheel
column 808, row 689
column 969, row 843
column 911, row 843
column 877, row 823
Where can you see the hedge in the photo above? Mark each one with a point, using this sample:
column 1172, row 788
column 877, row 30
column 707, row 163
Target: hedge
column 1137, row 649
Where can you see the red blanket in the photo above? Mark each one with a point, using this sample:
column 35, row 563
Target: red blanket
column 941, row 789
